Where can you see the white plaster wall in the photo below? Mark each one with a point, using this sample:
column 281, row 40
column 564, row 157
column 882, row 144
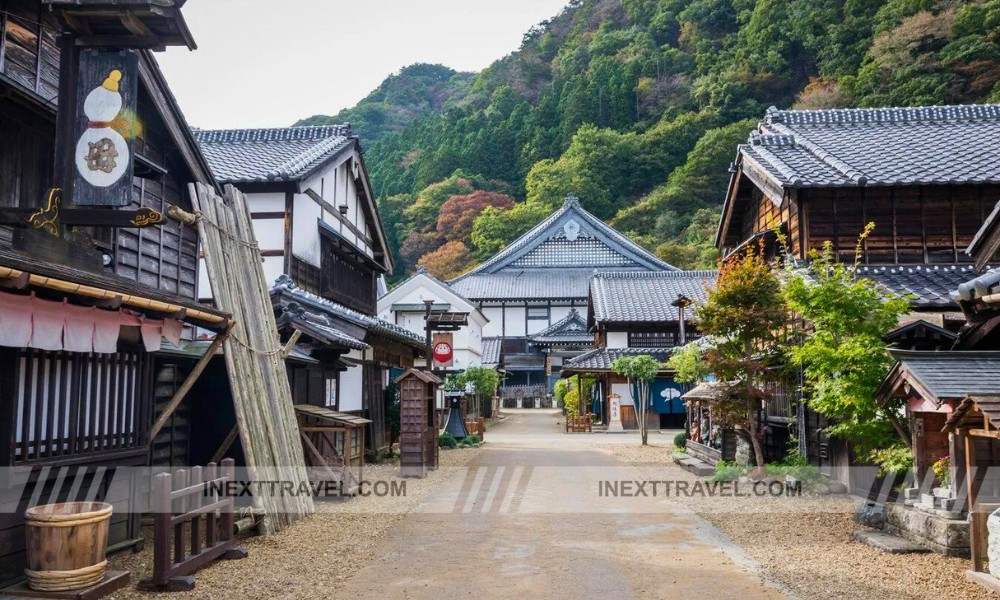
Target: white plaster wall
column 351, row 385
column 270, row 202
column 270, row 233
column 536, row 325
column 492, row 329
column 617, row 339
column 305, row 230
column 515, row 321
column 622, row 389
column 274, row 266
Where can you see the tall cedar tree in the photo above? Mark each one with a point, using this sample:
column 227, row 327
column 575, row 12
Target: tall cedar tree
column 746, row 315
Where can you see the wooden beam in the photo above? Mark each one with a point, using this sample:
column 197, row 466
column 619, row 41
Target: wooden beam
column 189, row 382
column 226, row 443
column 290, row 344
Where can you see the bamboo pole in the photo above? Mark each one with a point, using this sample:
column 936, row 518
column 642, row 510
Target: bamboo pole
column 136, row 301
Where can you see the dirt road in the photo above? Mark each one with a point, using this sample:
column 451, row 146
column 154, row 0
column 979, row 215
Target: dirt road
column 529, row 518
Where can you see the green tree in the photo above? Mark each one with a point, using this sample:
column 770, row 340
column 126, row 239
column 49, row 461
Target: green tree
column 640, row 370
column 495, row 228
column 745, row 315
column 844, row 358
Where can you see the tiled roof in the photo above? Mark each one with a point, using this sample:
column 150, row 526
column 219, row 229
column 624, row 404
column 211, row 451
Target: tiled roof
column 634, row 297
column 491, row 351
column 951, row 375
column 931, row 286
column 986, row 284
column 527, row 284
column 282, row 154
column 285, row 286
column 571, row 236
column 878, row 146
column 601, row 359
column 571, row 329
column 318, row 326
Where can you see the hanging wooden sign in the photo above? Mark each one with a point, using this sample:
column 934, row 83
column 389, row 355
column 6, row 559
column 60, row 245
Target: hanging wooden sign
column 104, row 127
column 442, row 350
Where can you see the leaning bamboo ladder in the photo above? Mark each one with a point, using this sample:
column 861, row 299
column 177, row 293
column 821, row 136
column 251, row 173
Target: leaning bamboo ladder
column 261, row 394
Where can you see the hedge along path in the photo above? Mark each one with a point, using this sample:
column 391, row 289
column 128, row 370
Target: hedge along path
column 262, row 397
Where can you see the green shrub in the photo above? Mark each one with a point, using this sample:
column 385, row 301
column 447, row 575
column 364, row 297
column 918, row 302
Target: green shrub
column 572, row 402
column 446, row 440
column 472, row 439
column 727, row 471
column 680, row 441
column 559, row 391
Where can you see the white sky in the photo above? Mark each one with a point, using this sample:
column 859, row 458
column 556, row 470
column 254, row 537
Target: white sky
column 268, row 63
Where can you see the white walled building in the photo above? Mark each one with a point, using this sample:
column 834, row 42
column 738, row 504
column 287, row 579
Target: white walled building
column 405, row 306
column 324, row 250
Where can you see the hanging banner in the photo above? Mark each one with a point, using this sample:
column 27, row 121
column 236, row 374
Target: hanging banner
column 104, row 128
column 441, row 346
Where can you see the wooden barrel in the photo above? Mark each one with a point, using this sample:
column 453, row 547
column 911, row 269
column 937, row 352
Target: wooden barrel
column 66, row 545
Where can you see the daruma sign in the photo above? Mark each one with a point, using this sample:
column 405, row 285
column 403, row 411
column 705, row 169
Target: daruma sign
column 442, row 349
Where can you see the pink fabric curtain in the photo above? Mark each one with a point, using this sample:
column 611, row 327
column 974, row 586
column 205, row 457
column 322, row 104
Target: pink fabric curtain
column 27, row 321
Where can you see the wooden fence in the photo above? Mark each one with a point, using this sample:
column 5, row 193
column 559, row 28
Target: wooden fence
column 192, row 507
column 538, row 390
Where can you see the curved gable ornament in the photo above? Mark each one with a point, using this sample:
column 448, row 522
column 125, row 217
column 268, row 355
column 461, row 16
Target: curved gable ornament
column 571, row 230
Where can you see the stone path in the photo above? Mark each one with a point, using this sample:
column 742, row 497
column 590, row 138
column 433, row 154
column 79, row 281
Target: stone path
column 528, row 519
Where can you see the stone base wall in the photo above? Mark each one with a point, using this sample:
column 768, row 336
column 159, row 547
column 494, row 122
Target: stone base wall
column 949, row 537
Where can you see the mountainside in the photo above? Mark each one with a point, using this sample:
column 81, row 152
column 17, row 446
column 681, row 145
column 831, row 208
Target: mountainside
column 636, row 106
column 415, row 91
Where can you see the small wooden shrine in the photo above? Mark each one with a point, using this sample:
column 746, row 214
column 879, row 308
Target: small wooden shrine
column 975, row 425
column 418, row 422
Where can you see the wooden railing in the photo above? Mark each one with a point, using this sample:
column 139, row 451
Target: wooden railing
column 182, row 503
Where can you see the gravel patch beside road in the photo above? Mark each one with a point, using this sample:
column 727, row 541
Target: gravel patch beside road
column 313, row 557
column 804, row 544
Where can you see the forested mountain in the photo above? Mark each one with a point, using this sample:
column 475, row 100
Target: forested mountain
column 636, row 106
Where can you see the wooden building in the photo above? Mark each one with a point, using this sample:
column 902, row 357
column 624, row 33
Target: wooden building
column 922, row 175
column 324, row 248
column 635, row 312
column 533, row 284
column 84, row 312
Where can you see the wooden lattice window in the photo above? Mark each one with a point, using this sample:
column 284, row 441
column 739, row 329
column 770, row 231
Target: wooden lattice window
column 70, row 403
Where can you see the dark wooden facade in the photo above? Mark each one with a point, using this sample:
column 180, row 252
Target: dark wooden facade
column 929, row 224
column 86, row 411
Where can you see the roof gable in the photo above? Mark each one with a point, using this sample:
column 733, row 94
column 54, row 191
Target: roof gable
column 938, row 376
column 422, row 277
column 571, row 329
column 571, row 237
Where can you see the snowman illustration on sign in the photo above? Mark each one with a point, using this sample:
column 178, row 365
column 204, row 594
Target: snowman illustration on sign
column 102, row 154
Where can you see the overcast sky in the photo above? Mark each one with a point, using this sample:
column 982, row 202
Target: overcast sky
column 267, row 63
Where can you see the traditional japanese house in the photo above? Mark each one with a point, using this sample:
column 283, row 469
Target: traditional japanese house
column 319, row 230
column 924, row 176
column 532, row 285
column 91, row 285
column 635, row 312
column 406, row 306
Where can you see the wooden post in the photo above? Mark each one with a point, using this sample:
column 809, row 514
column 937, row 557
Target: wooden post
column 161, row 528
column 977, row 519
column 182, row 391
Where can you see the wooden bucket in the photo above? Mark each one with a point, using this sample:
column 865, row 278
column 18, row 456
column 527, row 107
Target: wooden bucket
column 66, row 545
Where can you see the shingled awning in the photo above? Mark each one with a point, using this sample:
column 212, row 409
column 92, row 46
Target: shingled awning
column 971, row 412
column 942, row 376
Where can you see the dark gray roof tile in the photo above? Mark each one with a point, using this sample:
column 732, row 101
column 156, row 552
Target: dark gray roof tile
column 878, row 146
column 601, row 359
column 637, row 297
column 281, row 154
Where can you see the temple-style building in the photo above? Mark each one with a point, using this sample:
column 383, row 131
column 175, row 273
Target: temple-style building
column 534, row 294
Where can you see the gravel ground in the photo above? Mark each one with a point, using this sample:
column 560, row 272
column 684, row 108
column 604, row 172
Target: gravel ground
column 311, row 558
column 804, row 544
